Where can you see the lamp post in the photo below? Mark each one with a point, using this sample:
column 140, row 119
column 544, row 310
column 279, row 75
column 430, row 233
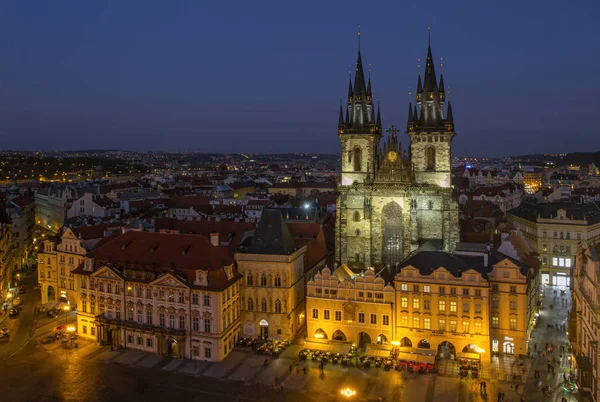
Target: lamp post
column 66, row 308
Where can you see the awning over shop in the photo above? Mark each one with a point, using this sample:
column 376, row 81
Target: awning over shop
column 416, row 357
column 377, row 352
column 471, row 356
column 333, row 347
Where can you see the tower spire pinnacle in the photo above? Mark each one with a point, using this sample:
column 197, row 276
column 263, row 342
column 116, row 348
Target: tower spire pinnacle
column 358, row 34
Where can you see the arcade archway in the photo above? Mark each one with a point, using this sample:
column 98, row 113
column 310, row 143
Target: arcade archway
column 338, row 336
column 424, row 344
column 320, row 334
column 446, row 350
column 363, row 339
column 51, row 294
column 406, row 342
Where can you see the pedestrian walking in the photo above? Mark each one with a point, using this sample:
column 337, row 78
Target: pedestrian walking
column 485, row 387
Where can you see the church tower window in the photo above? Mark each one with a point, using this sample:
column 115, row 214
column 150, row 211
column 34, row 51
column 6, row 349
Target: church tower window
column 431, row 158
column 392, row 233
column 430, row 205
column 250, row 305
column 356, row 216
column 357, row 159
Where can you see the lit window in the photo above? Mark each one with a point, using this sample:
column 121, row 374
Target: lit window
column 404, row 302
column 404, row 287
column 427, row 323
column 427, row 289
column 416, row 303
column 442, row 305
column 495, row 322
column 325, row 314
column 417, row 322
column 513, row 324
column 453, row 306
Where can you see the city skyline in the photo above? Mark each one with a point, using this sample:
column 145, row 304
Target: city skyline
column 268, row 79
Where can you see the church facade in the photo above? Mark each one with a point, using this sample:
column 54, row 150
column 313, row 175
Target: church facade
column 394, row 199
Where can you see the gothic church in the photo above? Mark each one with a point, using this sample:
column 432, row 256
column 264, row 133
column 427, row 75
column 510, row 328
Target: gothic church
column 393, row 200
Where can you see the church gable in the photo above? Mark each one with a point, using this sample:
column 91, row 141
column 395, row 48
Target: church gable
column 168, row 280
column 106, row 272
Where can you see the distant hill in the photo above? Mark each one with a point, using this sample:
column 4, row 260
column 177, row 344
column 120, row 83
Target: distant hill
column 581, row 158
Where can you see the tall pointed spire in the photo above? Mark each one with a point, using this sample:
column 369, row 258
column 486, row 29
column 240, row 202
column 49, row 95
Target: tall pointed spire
column 369, row 94
column 378, row 114
column 410, row 113
column 350, row 93
column 359, row 78
column 341, row 120
column 449, row 116
column 419, row 90
column 429, row 81
column 441, row 90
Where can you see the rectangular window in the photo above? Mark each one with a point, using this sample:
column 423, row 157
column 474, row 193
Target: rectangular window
column 477, row 292
column 140, row 341
column 161, row 319
column 207, row 327
column 130, row 314
column 513, row 324
column 417, row 322
column 442, row 290
column 415, row 288
column 161, row 295
column 453, row 306
column 361, row 318
column 477, row 327
column 513, row 304
column 181, row 322
column 404, row 321
column 148, row 293
column 495, row 287
column 194, row 298
column 83, row 306
column 93, row 330
column 139, row 316
column 84, row 329
column 442, row 323
column 206, row 300
column 416, row 303
column 180, row 297
column 148, row 317
column 138, row 291
column 442, row 305
column 452, row 325
column 465, row 325
column 325, row 314
column 495, row 322
column 427, row 289
column 513, row 289
column 315, row 313
column 465, row 308
column 404, row 302
column 427, row 323
column 92, row 307
column 568, row 262
column 386, row 320
column 360, row 294
column 452, row 291
column 426, row 304
column 338, row 316
column 465, row 291
column 196, row 323
column 578, row 236
column 373, row 318
column 149, row 342
column 555, row 261
column 129, row 338
column 404, row 287
column 207, row 353
column 477, row 308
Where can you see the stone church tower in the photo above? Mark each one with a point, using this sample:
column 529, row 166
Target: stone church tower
column 391, row 202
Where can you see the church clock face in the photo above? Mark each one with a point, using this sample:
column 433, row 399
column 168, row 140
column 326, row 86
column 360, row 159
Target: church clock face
column 392, row 156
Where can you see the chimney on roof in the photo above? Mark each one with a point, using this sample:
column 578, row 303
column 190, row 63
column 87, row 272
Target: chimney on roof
column 214, row 239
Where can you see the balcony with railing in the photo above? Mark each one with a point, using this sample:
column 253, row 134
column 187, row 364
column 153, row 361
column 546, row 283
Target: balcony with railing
column 103, row 319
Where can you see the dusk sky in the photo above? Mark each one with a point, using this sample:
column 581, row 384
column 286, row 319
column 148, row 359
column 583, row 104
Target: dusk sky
column 261, row 76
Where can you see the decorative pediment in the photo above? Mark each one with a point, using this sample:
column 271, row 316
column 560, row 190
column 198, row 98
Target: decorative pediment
column 169, row 280
column 106, row 273
column 68, row 234
column 206, row 315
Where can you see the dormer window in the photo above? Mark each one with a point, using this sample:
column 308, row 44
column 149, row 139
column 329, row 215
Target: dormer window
column 201, row 278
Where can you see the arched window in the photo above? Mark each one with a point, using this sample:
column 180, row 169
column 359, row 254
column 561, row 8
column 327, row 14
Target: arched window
column 278, row 281
column 263, row 305
column 249, row 281
column 430, row 204
column 357, row 159
column 358, row 232
column 263, row 280
column 277, row 306
column 431, row 158
column 356, row 216
column 250, row 304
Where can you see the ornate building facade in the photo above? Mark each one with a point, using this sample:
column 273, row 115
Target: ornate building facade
column 393, row 199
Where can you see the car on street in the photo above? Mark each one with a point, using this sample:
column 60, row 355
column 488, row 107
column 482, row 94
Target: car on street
column 13, row 313
column 17, row 301
column 22, row 289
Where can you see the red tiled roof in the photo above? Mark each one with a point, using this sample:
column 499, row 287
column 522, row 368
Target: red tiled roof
column 92, row 232
column 189, row 201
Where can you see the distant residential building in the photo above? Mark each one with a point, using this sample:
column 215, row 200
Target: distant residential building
column 51, row 206
column 563, row 179
column 95, row 205
column 533, row 181
column 553, row 230
column 584, row 319
column 301, row 189
column 21, row 212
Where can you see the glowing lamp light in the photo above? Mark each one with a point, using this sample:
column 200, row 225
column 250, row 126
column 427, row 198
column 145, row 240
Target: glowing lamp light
column 319, row 336
column 66, row 308
column 306, row 206
column 479, row 350
column 395, row 343
column 348, row 393
column 71, row 329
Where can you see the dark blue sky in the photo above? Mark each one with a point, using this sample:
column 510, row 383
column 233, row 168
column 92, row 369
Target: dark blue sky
column 267, row 76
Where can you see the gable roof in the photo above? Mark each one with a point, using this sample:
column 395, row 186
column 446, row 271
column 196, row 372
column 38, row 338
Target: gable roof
column 272, row 235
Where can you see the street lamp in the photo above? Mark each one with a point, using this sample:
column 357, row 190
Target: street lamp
column 348, row 393
column 66, row 308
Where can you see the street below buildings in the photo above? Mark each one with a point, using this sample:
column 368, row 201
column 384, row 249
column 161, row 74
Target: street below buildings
column 85, row 371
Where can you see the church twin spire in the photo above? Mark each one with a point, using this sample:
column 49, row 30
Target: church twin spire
column 360, row 109
column 430, row 98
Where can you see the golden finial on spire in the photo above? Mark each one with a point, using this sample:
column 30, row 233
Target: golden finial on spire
column 409, row 94
column 418, row 64
column 442, row 65
column 359, row 38
column 428, row 33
